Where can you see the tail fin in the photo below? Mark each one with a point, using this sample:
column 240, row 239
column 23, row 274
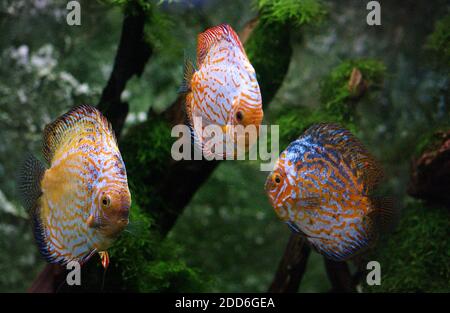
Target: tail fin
column 29, row 182
column 387, row 213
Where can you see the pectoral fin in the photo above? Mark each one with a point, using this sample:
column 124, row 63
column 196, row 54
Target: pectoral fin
column 309, row 203
column 188, row 72
column 94, row 222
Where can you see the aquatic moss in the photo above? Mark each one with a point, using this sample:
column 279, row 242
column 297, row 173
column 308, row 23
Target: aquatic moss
column 270, row 67
column 438, row 43
column 416, row 256
column 336, row 106
column 298, row 12
column 337, row 102
column 146, row 146
column 430, row 140
column 169, row 273
column 335, row 95
column 131, row 252
column 141, row 260
column 158, row 24
column 269, row 46
column 148, row 263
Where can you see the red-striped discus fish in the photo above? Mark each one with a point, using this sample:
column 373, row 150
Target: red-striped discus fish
column 321, row 187
column 223, row 91
column 81, row 202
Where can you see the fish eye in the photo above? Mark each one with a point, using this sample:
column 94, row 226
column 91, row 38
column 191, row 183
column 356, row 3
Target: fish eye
column 277, row 179
column 239, row 116
column 106, row 201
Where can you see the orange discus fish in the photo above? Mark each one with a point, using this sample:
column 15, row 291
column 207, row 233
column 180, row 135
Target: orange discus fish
column 222, row 92
column 80, row 204
column 321, row 187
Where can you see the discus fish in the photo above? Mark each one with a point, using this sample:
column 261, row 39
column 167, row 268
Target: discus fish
column 80, row 204
column 321, row 187
column 222, row 92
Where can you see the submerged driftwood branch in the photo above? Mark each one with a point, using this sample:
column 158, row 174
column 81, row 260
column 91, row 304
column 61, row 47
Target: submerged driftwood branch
column 339, row 275
column 292, row 266
column 430, row 172
column 132, row 55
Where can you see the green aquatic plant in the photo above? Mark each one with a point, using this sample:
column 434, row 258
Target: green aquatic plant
column 298, row 12
column 338, row 100
column 159, row 25
column 415, row 258
column 338, row 96
column 273, row 34
column 430, row 140
column 149, row 263
column 270, row 70
column 143, row 144
column 438, row 43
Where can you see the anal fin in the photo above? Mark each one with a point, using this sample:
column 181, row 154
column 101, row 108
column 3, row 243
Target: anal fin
column 104, row 256
column 29, row 182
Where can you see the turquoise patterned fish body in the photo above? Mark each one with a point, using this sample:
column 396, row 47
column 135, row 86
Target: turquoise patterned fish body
column 321, row 187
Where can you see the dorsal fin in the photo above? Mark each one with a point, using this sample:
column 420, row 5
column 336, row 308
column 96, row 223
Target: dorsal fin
column 188, row 72
column 29, row 186
column 352, row 150
column 80, row 116
column 29, row 182
column 213, row 35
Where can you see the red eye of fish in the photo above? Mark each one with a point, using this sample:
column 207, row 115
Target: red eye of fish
column 106, row 201
column 239, row 116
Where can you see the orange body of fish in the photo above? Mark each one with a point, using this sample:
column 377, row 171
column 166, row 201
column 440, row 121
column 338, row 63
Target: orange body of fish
column 322, row 187
column 223, row 91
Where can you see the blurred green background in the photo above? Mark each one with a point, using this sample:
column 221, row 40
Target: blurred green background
column 228, row 233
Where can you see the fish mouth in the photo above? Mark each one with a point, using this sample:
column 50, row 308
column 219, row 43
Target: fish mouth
column 124, row 218
column 246, row 133
column 114, row 228
column 256, row 118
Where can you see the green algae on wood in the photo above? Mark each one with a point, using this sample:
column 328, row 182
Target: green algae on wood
column 415, row 258
column 336, row 96
column 269, row 50
column 149, row 263
column 146, row 147
column 298, row 12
